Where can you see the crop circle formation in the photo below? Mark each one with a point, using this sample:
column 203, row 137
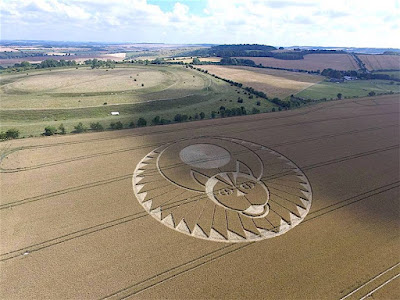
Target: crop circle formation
column 222, row 189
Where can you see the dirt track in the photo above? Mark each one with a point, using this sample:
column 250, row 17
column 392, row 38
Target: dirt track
column 71, row 226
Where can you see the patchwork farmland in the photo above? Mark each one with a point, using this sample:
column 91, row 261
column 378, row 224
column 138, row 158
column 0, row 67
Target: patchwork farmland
column 311, row 62
column 275, row 83
column 76, row 219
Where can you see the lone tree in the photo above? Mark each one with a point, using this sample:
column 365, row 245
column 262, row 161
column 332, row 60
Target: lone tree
column 339, row 96
column 141, row 122
column 96, row 126
column 50, row 130
column 80, row 128
column 12, row 133
column 62, row 129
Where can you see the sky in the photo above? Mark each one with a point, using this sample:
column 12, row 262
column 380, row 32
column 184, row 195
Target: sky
column 334, row 23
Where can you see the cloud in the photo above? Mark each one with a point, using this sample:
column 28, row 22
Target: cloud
column 286, row 22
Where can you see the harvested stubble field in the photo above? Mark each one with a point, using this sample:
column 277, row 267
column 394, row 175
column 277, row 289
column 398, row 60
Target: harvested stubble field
column 311, row 62
column 380, row 62
column 33, row 100
column 71, row 226
column 275, row 83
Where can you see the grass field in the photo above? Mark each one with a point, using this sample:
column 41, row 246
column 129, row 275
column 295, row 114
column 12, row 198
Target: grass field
column 355, row 88
column 72, row 227
column 311, row 62
column 275, row 83
column 380, row 62
column 31, row 102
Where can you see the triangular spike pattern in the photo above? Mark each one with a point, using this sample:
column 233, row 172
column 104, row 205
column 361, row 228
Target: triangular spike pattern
column 182, row 226
column 307, row 194
column 216, row 235
column 157, row 212
column 142, row 165
column 302, row 177
column 266, row 233
column 169, row 220
column 294, row 220
column 139, row 187
column 141, row 196
column 138, row 179
column 147, row 204
column 284, row 226
column 305, row 202
column 234, row 237
column 148, row 157
column 306, row 186
column 301, row 210
column 197, row 231
column 250, row 235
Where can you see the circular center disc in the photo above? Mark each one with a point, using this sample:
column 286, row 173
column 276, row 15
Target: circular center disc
column 205, row 156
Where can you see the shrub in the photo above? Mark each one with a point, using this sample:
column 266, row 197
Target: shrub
column 12, row 133
column 273, row 109
column 96, row 126
column 213, row 113
column 196, row 116
column 142, row 84
column 371, row 93
column 255, row 111
column 116, row 125
column 202, row 115
column 156, row 120
column 141, row 122
column 62, row 129
column 240, row 100
column 80, row 128
column 131, row 124
column 50, row 130
column 258, row 103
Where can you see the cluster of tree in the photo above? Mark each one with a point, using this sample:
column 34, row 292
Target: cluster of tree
column 255, row 92
column 51, row 130
column 255, row 50
column 48, row 63
column 237, row 61
column 19, row 54
column 97, row 63
column 226, row 112
column 331, row 73
column 10, row 134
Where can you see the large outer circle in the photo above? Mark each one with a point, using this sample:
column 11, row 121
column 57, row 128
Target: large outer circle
column 191, row 211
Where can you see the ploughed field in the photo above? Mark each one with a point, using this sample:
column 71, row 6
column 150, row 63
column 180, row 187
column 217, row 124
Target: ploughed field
column 156, row 212
column 380, row 62
column 311, row 62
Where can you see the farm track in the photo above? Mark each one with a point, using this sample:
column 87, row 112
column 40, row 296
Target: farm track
column 92, row 229
column 6, row 153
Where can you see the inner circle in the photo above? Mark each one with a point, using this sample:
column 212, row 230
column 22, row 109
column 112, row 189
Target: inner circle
column 205, row 156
